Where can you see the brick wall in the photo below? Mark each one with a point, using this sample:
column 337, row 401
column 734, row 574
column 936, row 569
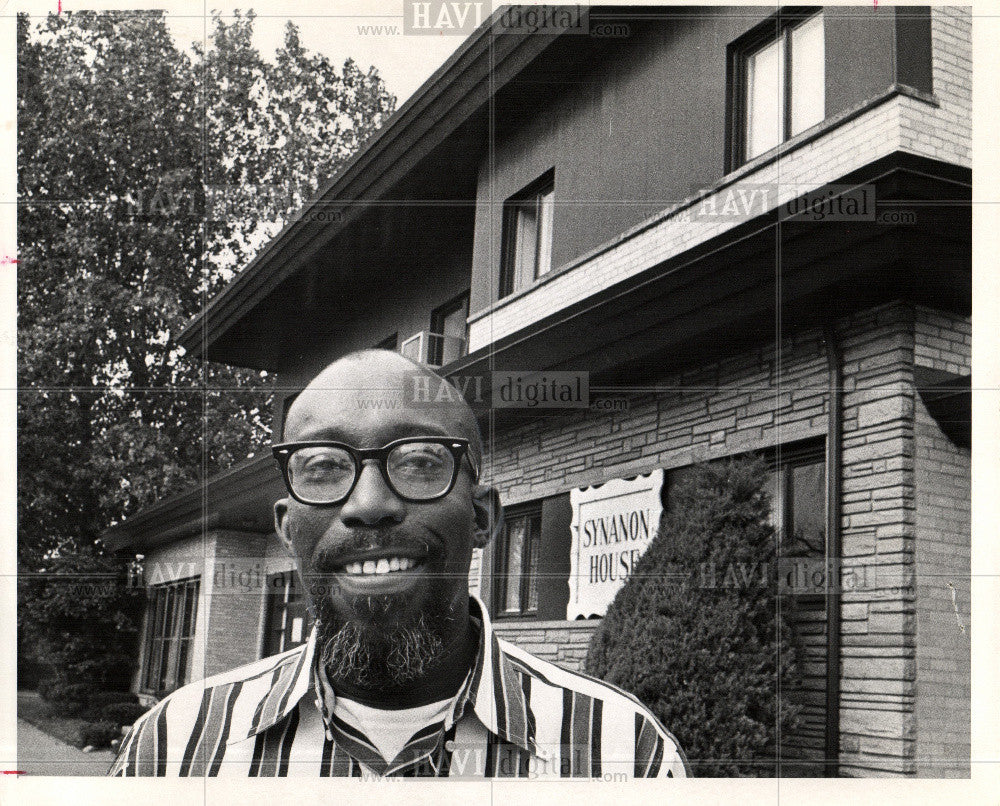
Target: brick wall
column 877, row 658
column 942, row 341
column 759, row 399
column 943, row 492
column 234, row 600
column 945, row 132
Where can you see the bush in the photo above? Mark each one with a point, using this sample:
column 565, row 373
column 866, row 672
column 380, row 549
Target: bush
column 79, row 616
column 122, row 713
column 71, row 698
column 694, row 631
column 99, row 734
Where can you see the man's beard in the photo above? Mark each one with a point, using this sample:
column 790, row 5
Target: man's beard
column 373, row 646
column 373, row 655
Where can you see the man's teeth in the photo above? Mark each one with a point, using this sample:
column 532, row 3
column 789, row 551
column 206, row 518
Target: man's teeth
column 384, row 565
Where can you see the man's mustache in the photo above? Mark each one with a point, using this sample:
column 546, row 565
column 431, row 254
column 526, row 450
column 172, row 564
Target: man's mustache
column 330, row 555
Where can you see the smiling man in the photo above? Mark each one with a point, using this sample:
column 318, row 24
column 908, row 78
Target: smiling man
column 402, row 674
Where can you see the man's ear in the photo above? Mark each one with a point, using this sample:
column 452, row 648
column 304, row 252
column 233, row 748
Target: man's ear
column 281, row 525
column 489, row 514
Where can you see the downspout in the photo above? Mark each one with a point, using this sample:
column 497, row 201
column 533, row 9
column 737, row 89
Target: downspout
column 834, row 459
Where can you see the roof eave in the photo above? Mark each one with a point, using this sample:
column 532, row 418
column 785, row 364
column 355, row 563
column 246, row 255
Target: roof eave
column 465, row 72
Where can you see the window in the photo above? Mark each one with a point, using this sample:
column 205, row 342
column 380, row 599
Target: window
column 778, row 73
column 284, row 615
column 798, row 505
column 526, row 252
column 449, row 331
column 171, row 613
column 797, row 483
column 516, row 590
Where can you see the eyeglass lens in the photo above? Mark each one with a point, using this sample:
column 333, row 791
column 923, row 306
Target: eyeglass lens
column 415, row 469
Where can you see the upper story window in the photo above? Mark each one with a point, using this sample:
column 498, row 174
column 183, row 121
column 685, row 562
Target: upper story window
column 449, row 331
column 526, row 252
column 778, row 77
column 516, row 591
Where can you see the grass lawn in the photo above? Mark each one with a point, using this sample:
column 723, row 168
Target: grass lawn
column 32, row 708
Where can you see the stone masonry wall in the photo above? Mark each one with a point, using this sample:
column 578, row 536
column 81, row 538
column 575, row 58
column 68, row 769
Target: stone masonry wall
column 943, row 476
column 763, row 398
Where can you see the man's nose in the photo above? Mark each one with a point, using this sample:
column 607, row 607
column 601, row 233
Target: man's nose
column 371, row 502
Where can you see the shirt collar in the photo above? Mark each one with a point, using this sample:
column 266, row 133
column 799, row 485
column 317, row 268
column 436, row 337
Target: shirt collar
column 492, row 689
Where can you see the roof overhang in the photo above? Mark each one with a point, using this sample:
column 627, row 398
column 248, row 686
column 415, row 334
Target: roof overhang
column 735, row 291
column 484, row 63
column 238, row 499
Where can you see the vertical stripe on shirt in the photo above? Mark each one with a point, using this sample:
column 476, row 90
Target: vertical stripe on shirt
column 565, row 735
column 272, row 748
column 648, row 748
column 581, row 739
column 529, row 715
column 596, row 734
column 286, row 743
column 220, row 750
column 499, row 694
column 195, row 737
column 259, row 711
column 211, row 730
column 132, row 766
column 278, row 694
column 161, row 742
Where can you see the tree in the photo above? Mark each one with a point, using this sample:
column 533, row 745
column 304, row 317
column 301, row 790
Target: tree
column 125, row 146
column 695, row 633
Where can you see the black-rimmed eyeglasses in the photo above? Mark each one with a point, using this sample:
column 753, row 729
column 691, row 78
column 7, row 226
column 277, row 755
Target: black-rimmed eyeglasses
column 323, row 473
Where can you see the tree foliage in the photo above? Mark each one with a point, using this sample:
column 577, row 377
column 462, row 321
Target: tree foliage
column 695, row 632
column 147, row 175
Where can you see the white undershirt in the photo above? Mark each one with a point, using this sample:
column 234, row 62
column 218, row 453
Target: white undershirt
column 390, row 729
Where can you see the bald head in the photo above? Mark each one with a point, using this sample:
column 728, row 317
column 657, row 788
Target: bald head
column 367, row 398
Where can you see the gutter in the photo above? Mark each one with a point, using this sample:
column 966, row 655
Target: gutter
column 834, row 462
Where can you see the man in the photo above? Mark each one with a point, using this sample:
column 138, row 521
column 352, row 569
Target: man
column 402, row 674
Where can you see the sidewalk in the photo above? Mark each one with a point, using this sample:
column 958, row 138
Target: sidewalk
column 41, row 754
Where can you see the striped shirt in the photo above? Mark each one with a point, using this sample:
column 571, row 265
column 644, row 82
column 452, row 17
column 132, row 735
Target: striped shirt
column 515, row 716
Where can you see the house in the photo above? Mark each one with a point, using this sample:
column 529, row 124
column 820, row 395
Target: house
column 744, row 232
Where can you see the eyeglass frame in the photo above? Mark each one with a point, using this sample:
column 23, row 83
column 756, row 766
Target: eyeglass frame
column 458, row 446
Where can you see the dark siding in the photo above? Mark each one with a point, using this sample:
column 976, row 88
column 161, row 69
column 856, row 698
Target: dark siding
column 859, row 57
column 913, row 47
column 634, row 125
column 392, row 284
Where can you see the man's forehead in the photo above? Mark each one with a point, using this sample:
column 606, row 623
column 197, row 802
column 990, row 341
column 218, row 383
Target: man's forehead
column 365, row 426
column 366, row 401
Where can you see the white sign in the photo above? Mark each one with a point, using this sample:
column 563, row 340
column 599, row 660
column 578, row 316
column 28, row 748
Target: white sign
column 613, row 524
